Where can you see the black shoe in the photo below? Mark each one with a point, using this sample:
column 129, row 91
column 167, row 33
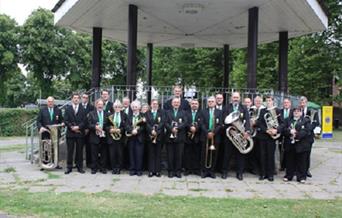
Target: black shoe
column 270, row 178
column 261, row 177
column 93, row 171
column 139, row 173
column 80, row 170
column 104, row 171
column 203, row 175
column 170, row 174
column 150, row 174
column 308, row 174
column 58, row 167
column 131, row 173
column 157, row 174
column 212, row 175
column 113, row 171
column 178, row 175
column 239, row 176
column 224, row 175
column 69, row 170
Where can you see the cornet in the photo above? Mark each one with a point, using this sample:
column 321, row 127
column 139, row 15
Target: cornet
column 174, row 124
column 100, row 133
column 191, row 135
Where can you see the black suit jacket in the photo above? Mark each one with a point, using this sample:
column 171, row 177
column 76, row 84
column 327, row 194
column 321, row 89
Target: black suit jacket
column 72, row 119
column 218, row 124
column 244, row 114
column 130, row 112
column 302, row 137
column 282, row 114
column 314, row 122
column 185, row 106
column 197, row 124
column 122, row 126
column 88, row 108
column 141, row 129
column 92, row 121
column 109, row 107
column 261, row 123
column 43, row 119
column 182, row 123
column 158, row 122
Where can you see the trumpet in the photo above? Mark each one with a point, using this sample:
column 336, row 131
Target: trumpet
column 174, row 124
column 100, row 133
column 191, row 135
column 154, row 134
column 293, row 136
column 136, row 126
column 117, row 134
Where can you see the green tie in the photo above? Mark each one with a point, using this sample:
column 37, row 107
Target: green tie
column 235, row 108
column 193, row 116
column 175, row 112
column 99, row 114
column 116, row 119
column 135, row 118
column 286, row 115
column 210, row 119
column 154, row 114
column 51, row 114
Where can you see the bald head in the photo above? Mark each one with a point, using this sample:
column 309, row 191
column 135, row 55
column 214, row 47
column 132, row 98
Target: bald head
column 50, row 101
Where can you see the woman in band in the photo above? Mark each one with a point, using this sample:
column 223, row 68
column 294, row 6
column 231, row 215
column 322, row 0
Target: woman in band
column 297, row 133
column 115, row 136
column 136, row 128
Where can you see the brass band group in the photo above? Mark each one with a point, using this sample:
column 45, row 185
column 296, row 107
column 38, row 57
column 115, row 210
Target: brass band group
column 241, row 135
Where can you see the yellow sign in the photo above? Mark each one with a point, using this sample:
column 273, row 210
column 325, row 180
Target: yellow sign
column 327, row 121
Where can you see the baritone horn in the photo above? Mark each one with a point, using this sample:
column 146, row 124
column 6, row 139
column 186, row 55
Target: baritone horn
column 117, row 134
column 271, row 120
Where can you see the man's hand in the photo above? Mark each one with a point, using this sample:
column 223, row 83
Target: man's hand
column 193, row 129
column 154, row 133
column 210, row 135
column 134, row 132
column 43, row 129
column 174, row 130
column 98, row 128
column 246, row 135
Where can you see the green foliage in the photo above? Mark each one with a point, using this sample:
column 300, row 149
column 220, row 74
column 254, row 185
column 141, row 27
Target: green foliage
column 11, row 121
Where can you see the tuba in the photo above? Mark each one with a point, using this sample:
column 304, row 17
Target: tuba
column 210, row 148
column 235, row 133
column 271, row 119
column 116, row 135
column 48, row 148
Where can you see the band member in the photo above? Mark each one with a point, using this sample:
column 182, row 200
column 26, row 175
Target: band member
column 115, row 131
column 175, row 125
column 177, row 93
column 268, row 135
column 211, row 125
column 155, row 131
column 297, row 133
column 285, row 113
column 126, row 106
column 314, row 127
column 97, row 121
column 87, row 106
column 145, row 108
column 219, row 101
column 192, row 147
column 230, row 149
column 74, row 119
column 136, row 129
column 247, row 102
column 108, row 105
column 49, row 115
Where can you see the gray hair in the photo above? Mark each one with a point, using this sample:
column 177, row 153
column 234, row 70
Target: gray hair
column 136, row 103
column 117, row 103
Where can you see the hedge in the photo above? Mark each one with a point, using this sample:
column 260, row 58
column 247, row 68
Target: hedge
column 12, row 119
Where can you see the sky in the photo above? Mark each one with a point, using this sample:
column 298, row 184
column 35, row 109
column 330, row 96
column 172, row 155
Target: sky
column 21, row 9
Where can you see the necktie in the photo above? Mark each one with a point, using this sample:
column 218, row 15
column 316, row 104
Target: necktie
column 286, row 114
column 193, row 116
column 100, row 115
column 85, row 106
column 235, row 106
column 75, row 109
column 154, row 113
column 51, row 113
column 175, row 112
column 116, row 119
column 210, row 119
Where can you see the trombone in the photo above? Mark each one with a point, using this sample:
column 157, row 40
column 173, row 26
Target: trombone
column 210, row 147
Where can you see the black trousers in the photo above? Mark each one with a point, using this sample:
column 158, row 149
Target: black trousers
column 77, row 142
column 192, row 156
column 208, row 158
column 308, row 158
column 231, row 151
column 282, row 152
column 296, row 163
column 252, row 158
column 174, row 156
column 267, row 152
column 136, row 154
column 87, row 150
column 115, row 155
column 154, row 155
column 99, row 155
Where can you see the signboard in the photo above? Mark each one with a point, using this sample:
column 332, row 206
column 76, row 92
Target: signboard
column 327, row 122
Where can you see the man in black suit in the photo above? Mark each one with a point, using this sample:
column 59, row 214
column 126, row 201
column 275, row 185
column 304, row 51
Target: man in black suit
column 136, row 125
column 297, row 133
column 74, row 119
column 192, row 146
column 268, row 140
column 219, row 101
column 314, row 127
column 155, row 119
column 177, row 93
column 230, row 149
column 126, row 107
column 210, row 138
column 49, row 115
column 115, row 136
column 220, row 106
column 175, row 124
column 88, row 107
column 108, row 105
column 97, row 121
column 285, row 113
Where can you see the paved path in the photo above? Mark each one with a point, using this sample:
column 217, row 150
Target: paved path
column 325, row 184
column 12, row 141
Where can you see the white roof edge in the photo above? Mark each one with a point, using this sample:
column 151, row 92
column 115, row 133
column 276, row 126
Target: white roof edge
column 65, row 7
column 316, row 7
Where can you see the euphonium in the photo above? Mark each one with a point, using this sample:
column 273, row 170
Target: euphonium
column 235, row 133
column 271, row 119
column 210, row 148
column 253, row 116
column 116, row 135
column 48, row 148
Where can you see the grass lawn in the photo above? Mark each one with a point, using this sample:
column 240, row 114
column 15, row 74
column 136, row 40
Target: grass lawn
column 10, row 148
column 107, row 204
